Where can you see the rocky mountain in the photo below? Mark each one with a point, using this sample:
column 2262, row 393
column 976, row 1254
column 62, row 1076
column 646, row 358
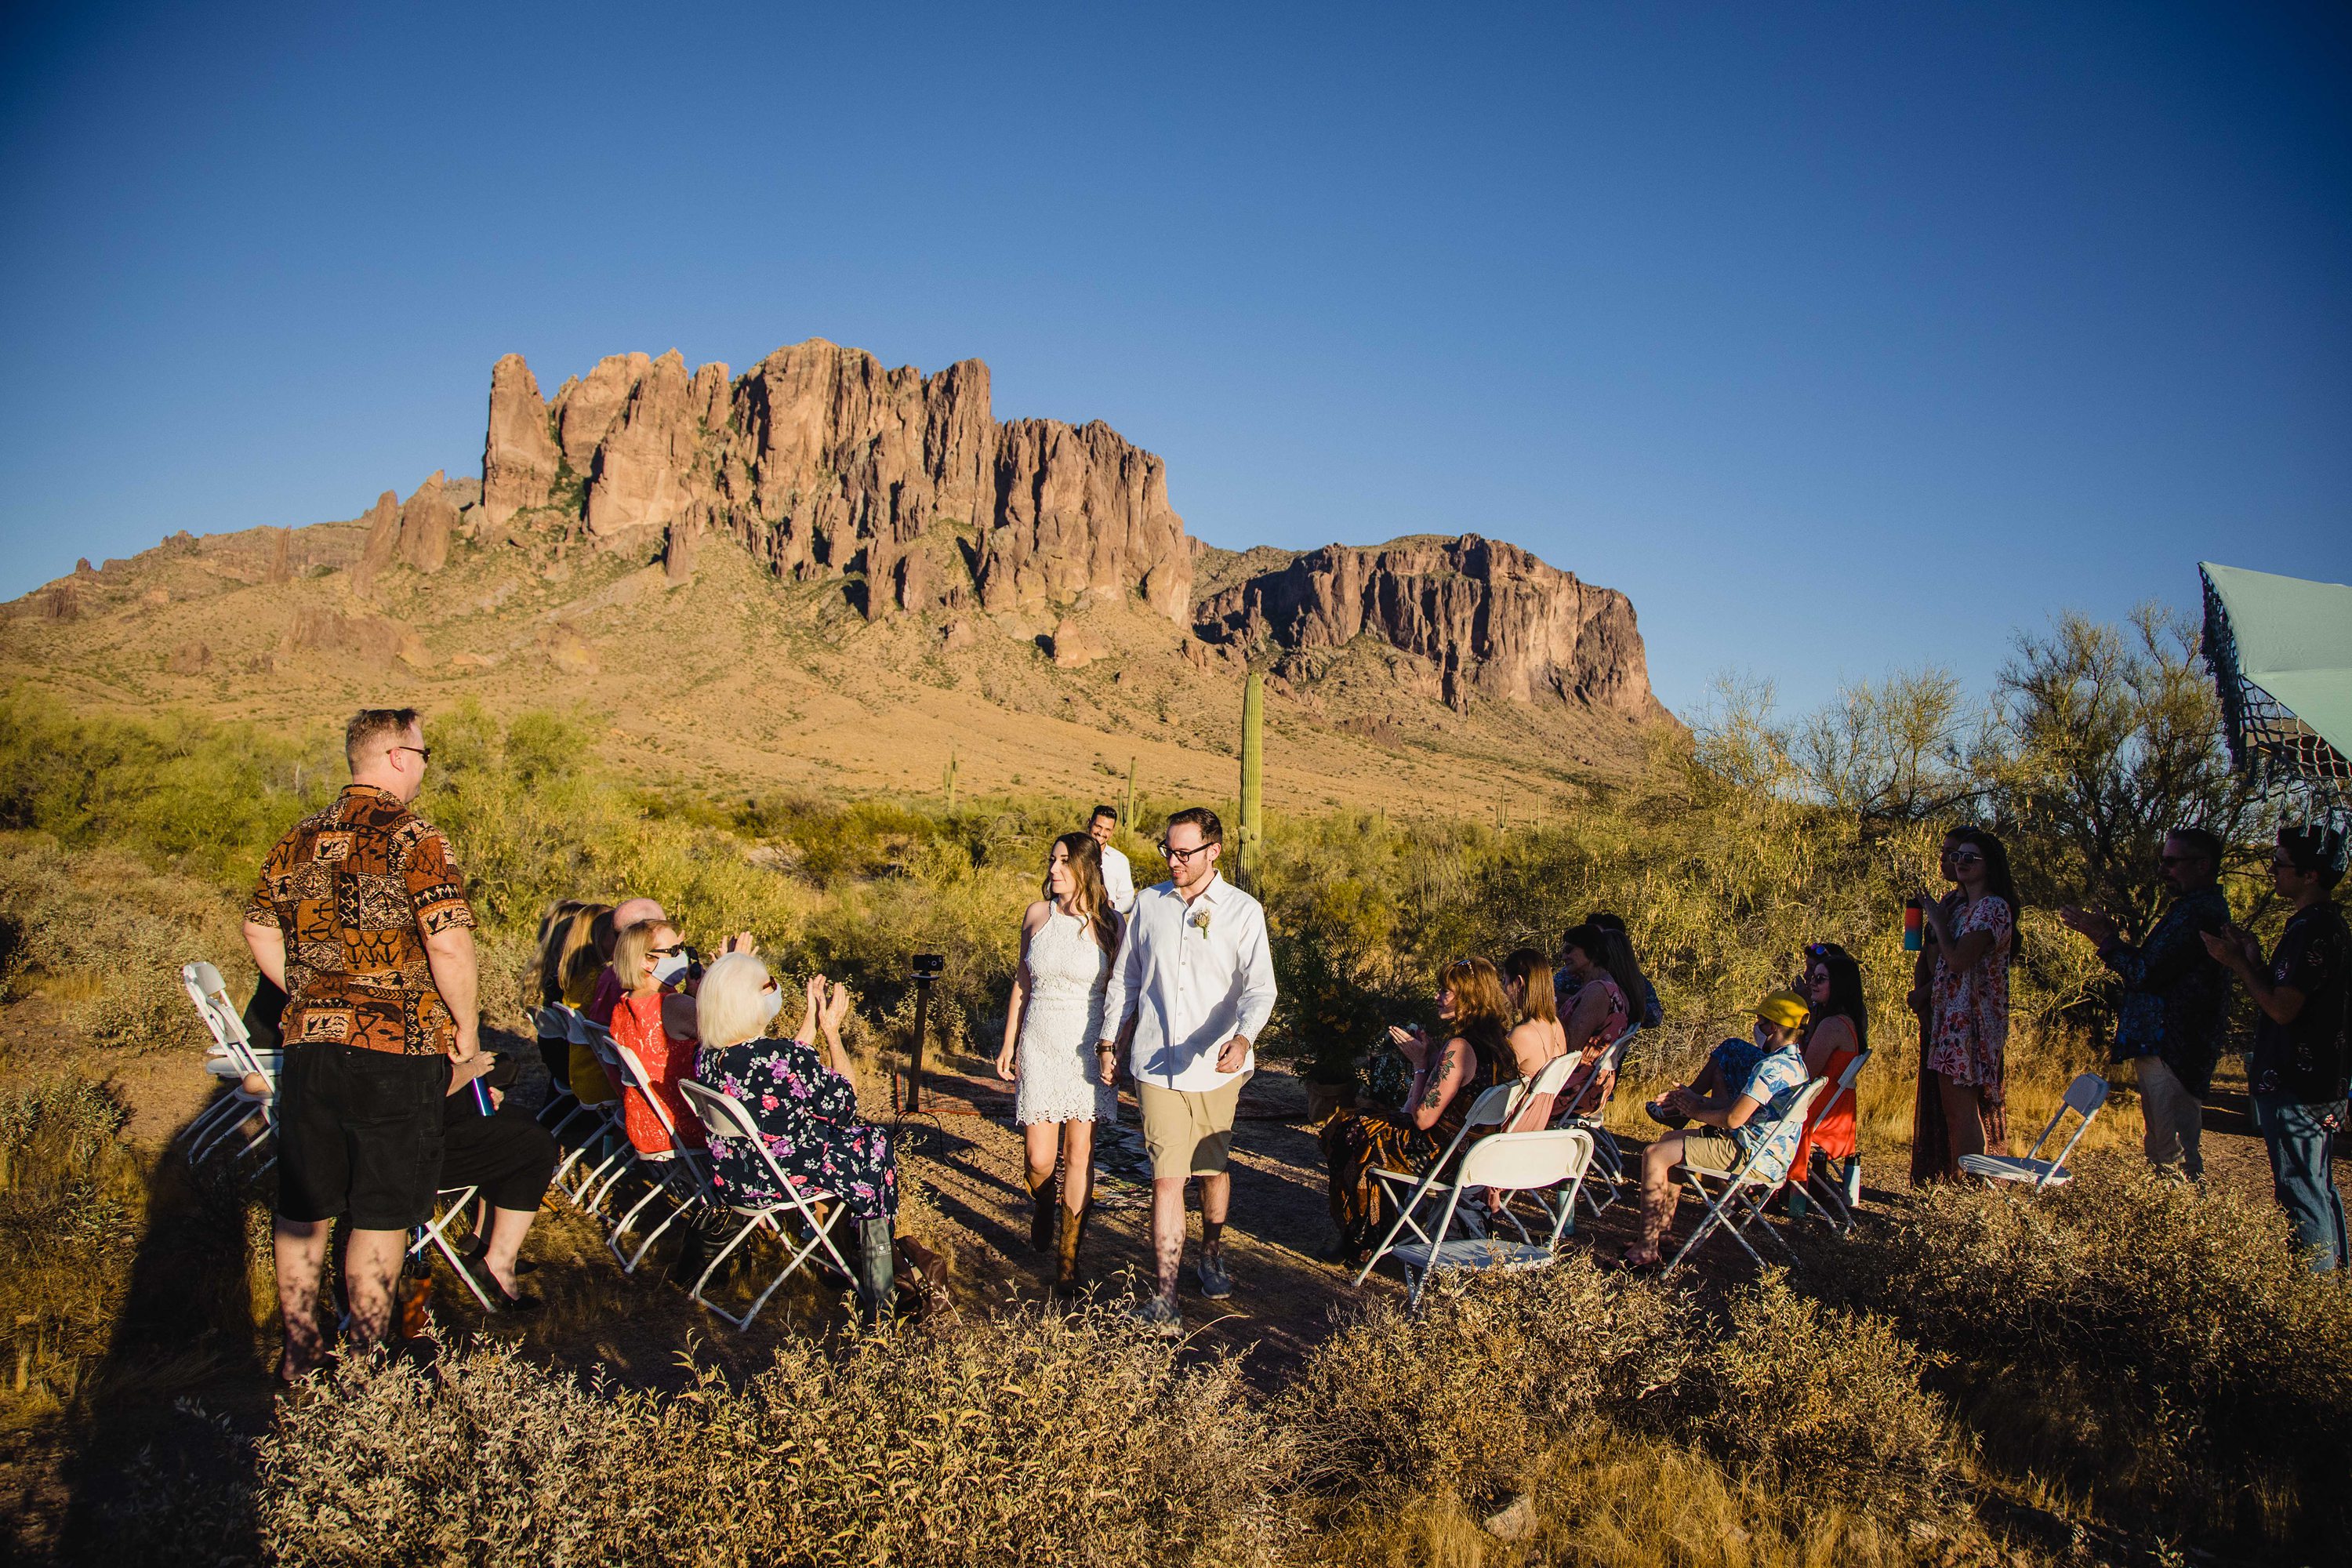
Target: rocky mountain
column 838, row 574
column 824, row 463
column 1485, row 617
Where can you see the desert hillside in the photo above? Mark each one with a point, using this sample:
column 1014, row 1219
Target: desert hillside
column 823, row 574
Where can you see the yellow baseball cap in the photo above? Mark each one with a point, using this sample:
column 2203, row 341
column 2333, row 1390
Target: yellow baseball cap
column 1785, row 1008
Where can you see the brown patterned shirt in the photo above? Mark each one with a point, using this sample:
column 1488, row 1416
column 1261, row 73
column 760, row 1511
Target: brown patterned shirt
column 356, row 890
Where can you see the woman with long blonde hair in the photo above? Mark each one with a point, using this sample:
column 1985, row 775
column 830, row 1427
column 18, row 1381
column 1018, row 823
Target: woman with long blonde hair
column 1476, row 1054
column 1068, row 939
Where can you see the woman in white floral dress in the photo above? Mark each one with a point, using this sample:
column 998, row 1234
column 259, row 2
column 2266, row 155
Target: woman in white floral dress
column 1067, row 940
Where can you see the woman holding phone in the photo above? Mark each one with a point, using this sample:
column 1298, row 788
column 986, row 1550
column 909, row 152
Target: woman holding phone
column 1412, row 1137
column 1973, row 940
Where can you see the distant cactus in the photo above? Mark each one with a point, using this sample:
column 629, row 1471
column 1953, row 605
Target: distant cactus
column 1127, row 817
column 950, row 780
column 1252, row 771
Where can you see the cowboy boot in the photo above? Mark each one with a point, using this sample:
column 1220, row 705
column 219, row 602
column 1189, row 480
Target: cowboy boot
column 1073, row 1232
column 877, row 1270
column 1046, row 1196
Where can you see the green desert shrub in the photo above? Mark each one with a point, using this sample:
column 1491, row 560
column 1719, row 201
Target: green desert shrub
column 1492, row 1368
column 1036, row 1439
column 70, row 1202
column 2140, row 1335
column 105, row 936
column 1821, row 1402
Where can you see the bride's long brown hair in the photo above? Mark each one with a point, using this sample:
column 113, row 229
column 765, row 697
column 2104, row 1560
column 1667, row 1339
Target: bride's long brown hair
column 1094, row 904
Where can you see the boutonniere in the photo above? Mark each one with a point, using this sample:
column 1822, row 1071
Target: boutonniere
column 1199, row 920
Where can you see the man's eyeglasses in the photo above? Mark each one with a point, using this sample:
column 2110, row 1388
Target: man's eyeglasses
column 424, row 753
column 1181, row 857
column 2177, row 859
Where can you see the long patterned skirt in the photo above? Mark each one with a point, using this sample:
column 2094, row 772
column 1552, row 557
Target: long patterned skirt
column 1358, row 1142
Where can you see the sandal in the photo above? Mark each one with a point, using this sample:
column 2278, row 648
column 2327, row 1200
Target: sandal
column 1631, row 1262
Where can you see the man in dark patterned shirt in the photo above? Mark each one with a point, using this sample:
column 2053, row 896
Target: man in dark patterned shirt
column 2295, row 1076
column 2175, row 998
column 361, row 916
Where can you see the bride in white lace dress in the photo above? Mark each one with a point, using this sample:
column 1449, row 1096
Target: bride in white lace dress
column 1068, row 939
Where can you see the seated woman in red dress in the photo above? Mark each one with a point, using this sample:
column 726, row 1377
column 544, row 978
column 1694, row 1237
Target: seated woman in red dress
column 651, row 962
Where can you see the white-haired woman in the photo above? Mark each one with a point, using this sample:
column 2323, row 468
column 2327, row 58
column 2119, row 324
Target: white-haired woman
column 805, row 1106
column 1067, row 941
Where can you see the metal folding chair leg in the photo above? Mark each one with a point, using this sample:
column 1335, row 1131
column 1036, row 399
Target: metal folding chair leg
column 434, row 1234
column 765, row 1219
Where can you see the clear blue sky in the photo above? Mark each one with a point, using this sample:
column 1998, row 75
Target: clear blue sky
column 1841, row 337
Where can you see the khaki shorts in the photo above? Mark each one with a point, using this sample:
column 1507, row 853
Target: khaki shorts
column 1710, row 1150
column 1189, row 1134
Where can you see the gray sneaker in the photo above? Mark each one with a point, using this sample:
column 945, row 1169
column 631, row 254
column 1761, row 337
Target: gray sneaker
column 1161, row 1313
column 1215, row 1283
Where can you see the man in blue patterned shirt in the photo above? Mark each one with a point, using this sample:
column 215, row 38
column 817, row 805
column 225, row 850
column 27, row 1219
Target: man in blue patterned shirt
column 2175, row 998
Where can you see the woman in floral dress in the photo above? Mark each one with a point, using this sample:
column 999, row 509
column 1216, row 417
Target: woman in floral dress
column 1973, row 937
column 805, row 1106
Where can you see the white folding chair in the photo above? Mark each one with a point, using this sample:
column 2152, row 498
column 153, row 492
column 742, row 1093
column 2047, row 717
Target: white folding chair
column 237, row 1059
column 2084, row 1096
column 451, row 1207
column 1550, row 1079
column 1753, row 1178
column 724, row 1117
column 623, row 1157
column 1829, row 1197
column 1491, row 1108
column 1542, row 1163
column 1606, row 1156
column 606, row 1139
column 679, row 1171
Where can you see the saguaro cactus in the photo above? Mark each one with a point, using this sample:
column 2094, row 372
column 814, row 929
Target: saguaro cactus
column 1127, row 818
column 950, row 780
column 1253, row 770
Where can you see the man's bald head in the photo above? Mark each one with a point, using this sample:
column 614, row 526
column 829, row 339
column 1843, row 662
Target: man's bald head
column 629, row 912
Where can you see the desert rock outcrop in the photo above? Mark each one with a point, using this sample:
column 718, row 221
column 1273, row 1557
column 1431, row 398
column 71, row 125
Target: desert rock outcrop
column 824, row 463
column 1490, row 618
column 426, row 521
column 520, row 459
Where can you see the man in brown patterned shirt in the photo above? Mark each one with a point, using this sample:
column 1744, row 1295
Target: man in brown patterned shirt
column 360, row 914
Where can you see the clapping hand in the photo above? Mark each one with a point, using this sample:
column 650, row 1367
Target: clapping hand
column 2236, row 949
column 1411, row 1039
column 740, row 942
column 836, row 1008
column 2100, row 928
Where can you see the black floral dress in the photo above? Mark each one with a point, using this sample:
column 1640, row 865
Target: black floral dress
column 808, row 1114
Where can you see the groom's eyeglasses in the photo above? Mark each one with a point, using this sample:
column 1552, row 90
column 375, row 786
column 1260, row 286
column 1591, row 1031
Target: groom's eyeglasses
column 1181, row 857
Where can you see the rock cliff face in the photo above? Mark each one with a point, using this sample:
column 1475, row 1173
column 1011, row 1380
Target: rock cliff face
column 1489, row 618
column 824, row 463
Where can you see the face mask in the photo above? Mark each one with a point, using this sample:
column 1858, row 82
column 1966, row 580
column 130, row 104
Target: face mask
column 1763, row 1037
column 771, row 1004
column 668, row 969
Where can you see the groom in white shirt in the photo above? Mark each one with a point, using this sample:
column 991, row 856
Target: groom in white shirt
column 1195, row 976
column 1118, row 882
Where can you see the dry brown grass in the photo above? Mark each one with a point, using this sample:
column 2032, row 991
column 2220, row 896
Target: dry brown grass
column 1033, row 1439
column 2151, row 1344
column 72, row 1197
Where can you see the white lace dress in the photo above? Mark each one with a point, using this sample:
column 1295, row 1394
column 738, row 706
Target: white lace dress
column 1056, row 1079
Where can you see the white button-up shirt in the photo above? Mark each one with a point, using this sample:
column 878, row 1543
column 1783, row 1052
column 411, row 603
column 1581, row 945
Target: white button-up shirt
column 1192, row 977
column 1118, row 881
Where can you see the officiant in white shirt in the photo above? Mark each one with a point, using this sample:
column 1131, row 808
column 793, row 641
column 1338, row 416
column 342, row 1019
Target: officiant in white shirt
column 1195, row 977
column 1118, row 881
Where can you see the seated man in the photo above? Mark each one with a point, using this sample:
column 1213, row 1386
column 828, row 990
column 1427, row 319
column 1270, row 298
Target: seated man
column 1773, row 1085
